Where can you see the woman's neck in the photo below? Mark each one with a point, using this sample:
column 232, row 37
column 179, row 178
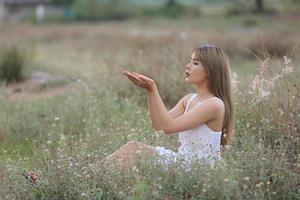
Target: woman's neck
column 203, row 93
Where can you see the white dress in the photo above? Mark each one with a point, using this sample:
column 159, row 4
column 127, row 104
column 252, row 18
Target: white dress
column 200, row 143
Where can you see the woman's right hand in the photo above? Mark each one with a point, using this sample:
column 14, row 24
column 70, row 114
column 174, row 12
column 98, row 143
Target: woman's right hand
column 141, row 80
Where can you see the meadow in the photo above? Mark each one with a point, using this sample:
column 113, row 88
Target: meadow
column 63, row 136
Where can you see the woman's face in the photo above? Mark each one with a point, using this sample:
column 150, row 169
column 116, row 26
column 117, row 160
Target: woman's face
column 195, row 72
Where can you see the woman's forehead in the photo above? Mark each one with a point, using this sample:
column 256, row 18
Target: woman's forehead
column 194, row 57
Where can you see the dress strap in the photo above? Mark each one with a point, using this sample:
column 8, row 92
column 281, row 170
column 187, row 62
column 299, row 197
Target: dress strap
column 189, row 101
column 212, row 98
column 209, row 98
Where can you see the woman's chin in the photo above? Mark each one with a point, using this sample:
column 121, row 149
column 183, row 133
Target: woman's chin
column 187, row 80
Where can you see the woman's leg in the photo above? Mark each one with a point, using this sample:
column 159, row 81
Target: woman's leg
column 128, row 155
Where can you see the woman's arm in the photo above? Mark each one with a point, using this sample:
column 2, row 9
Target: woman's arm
column 175, row 112
column 208, row 111
column 201, row 114
column 153, row 114
column 158, row 110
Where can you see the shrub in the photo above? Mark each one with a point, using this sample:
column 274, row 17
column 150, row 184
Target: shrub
column 12, row 62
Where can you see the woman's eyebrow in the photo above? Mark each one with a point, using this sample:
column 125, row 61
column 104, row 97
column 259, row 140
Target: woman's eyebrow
column 195, row 59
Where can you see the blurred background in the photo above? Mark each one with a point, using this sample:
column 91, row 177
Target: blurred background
column 74, row 10
column 64, row 104
column 76, row 38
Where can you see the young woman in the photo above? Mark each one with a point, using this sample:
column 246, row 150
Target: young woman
column 203, row 119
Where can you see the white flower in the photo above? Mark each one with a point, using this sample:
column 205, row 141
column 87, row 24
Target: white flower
column 287, row 61
column 288, row 68
column 234, row 81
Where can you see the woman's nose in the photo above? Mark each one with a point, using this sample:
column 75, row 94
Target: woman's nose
column 187, row 66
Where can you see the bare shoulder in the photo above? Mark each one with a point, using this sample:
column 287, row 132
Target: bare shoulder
column 215, row 104
column 186, row 98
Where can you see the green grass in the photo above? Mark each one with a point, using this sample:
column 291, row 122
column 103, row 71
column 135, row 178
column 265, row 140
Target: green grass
column 63, row 137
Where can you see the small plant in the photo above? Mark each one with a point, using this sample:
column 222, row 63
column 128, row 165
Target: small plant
column 263, row 83
column 12, row 62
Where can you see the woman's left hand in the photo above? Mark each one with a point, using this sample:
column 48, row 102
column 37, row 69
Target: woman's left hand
column 140, row 80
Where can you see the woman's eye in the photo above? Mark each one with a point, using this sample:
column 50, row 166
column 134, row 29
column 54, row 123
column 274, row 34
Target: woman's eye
column 196, row 63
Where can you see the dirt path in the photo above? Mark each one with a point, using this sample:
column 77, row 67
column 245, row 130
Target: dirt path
column 38, row 85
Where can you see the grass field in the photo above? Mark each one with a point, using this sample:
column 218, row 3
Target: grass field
column 63, row 136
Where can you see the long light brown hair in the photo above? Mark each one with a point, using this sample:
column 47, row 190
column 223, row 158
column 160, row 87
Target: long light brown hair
column 215, row 62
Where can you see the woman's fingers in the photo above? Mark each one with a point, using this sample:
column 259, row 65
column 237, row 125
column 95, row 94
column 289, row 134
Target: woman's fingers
column 135, row 76
column 131, row 77
column 135, row 73
column 139, row 80
column 128, row 74
column 134, row 79
column 131, row 73
column 142, row 77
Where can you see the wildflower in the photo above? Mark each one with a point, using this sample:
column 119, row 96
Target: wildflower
column 259, row 184
column 62, row 138
column 234, row 81
column 56, row 118
column 288, row 68
column 246, row 178
column 261, row 86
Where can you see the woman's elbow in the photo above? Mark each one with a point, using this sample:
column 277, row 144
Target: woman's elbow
column 168, row 130
column 157, row 128
column 160, row 129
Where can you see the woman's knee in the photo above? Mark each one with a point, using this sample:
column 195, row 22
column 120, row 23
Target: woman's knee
column 132, row 143
column 136, row 146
